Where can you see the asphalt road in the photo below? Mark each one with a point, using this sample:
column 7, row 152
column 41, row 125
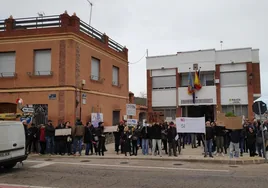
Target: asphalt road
column 94, row 173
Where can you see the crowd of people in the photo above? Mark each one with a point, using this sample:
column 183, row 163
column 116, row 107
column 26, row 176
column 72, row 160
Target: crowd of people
column 151, row 139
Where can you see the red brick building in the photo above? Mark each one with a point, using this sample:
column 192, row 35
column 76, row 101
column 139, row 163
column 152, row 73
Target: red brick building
column 63, row 68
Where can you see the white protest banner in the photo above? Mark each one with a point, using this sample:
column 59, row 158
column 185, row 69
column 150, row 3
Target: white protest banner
column 110, row 129
column 132, row 122
column 63, row 132
column 131, row 109
column 96, row 118
column 190, row 125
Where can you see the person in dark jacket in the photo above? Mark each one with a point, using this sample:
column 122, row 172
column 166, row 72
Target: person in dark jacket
column 134, row 139
column 100, row 134
column 209, row 139
column 60, row 141
column 145, row 139
column 88, row 138
column 234, row 143
column 171, row 135
column 126, row 140
column 32, row 138
column 251, row 141
column 220, row 133
column 164, row 136
column 156, row 138
column 121, row 127
column 50, row 134
column 259, row 141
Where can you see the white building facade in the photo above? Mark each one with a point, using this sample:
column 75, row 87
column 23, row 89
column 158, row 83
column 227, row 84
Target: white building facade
column 230, row 82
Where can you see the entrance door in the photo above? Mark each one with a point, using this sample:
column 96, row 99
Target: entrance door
column 201, row 111
column 116, row 117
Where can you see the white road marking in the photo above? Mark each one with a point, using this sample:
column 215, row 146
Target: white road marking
column 42, row 165
column 138, row 167
column 22, row 186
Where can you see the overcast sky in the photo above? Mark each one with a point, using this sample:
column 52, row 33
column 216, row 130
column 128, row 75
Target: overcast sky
column 164, row 27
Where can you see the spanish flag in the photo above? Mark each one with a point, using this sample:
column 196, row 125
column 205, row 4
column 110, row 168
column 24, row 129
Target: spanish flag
column 197, row 84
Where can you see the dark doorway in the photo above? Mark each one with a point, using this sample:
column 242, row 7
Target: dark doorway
column 142, row 116
column 201, row 111
column 116, row 117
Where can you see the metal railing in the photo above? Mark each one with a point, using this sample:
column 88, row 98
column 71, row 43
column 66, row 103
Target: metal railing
column 90, row 31
column 114, row 45
column 37, row 22
column 2, row 25
column 55, row 21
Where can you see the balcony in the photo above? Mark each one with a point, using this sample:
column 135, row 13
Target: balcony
column 205, row 96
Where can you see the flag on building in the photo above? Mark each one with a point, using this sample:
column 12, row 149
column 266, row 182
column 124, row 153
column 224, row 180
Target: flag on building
column 190, row 84
column 197, row 83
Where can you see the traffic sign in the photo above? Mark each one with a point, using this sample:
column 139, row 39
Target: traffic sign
column 27, row 119
column 259, row 107
column 28, row 110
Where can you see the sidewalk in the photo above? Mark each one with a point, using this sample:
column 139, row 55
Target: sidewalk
column 187, row 155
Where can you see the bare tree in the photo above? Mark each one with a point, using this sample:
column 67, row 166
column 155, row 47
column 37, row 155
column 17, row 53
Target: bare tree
column 143, row 94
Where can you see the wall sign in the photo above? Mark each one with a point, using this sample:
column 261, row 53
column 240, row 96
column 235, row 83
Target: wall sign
column 234, row 101
column 52, row 96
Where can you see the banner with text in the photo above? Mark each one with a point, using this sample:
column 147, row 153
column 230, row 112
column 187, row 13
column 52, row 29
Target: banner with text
column 190, row 125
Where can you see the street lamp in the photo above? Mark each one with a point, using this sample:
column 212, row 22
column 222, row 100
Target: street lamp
column 90, row 15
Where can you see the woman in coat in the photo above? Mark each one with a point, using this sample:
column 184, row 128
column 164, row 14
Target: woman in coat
column 251, row 141
column 88, row 138
column 126, row 140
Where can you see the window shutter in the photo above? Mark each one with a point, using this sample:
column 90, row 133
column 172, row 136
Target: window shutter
column 7, row 63
column 42, row 62
column 164, row 82
column 115, row 76
column 233, row 79
column 95, row 69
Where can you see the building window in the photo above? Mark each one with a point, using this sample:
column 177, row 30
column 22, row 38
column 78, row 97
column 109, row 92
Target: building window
column 167, row 112
column 7, row 64
column 95, row 69
column 184, row 80
column 207, row 79
column 42, row 62
column 115, row 76
column 233, row 79
column 238, row 110
column 164, row 82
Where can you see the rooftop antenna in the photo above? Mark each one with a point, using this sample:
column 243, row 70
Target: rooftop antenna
column 221, row 44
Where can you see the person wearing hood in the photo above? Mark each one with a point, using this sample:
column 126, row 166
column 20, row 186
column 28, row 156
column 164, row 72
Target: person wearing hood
column 79, row 132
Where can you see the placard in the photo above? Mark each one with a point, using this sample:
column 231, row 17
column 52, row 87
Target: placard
column 132, row 122
column 110, row 129
column 229, row 122
column 63, row 132
column 131, row 109
column 190, row 125
column 96, row 118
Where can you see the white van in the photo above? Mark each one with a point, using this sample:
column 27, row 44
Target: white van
column 12, row 143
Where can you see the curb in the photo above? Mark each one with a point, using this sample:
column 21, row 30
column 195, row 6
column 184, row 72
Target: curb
column 193, row 160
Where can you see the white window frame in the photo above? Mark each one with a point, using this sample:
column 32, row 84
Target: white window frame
column 7, row 58
column 95, row 74
column 236, row 108
column 204, row 78
column 115, row 73
column 41, row 57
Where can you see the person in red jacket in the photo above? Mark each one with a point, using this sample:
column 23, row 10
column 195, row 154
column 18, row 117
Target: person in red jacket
column 42, row 139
